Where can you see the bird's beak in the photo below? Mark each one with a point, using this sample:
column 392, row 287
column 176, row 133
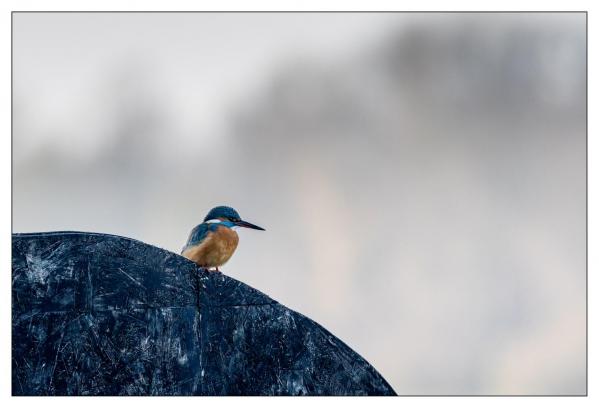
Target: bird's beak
column 249, row 225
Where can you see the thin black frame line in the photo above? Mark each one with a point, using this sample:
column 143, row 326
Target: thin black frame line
column 311, row 11
column 586, row 24
column 367, row 12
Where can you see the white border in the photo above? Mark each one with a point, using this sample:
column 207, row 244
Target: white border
column 373, row 5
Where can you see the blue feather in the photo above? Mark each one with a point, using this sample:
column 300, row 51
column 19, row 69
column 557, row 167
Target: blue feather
column 200, row 232
column 222, row 212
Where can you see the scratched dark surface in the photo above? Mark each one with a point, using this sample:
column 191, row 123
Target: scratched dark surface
column 96, row 314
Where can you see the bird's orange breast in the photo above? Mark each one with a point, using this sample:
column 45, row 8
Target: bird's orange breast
column 215, row 249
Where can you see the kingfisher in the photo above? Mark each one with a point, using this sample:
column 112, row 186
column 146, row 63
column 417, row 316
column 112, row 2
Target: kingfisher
column 212, row 243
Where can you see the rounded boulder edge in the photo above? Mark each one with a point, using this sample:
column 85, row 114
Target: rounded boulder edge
column 99, row 314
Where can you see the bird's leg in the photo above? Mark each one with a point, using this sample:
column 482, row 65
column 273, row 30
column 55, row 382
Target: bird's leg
column 217, row 269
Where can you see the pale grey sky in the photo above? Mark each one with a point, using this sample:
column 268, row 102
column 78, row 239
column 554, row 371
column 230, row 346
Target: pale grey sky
column 421, row 176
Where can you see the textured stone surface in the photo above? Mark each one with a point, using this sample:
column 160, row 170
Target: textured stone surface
column 96, row 314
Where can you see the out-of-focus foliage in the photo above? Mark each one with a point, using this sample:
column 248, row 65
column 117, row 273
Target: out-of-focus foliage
column 444, row 157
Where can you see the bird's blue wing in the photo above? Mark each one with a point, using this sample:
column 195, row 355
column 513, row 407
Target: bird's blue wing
column 197, row 235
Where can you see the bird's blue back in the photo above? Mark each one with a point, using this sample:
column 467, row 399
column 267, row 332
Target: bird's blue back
column 200, row 232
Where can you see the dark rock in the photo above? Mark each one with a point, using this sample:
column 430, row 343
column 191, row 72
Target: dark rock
column 96, row 314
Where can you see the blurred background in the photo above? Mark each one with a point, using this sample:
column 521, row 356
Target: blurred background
column 421, row 177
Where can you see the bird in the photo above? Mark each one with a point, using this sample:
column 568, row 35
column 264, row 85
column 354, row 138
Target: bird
column 212, row 243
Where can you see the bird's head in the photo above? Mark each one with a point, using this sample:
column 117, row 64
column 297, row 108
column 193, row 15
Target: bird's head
column 228, row 217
